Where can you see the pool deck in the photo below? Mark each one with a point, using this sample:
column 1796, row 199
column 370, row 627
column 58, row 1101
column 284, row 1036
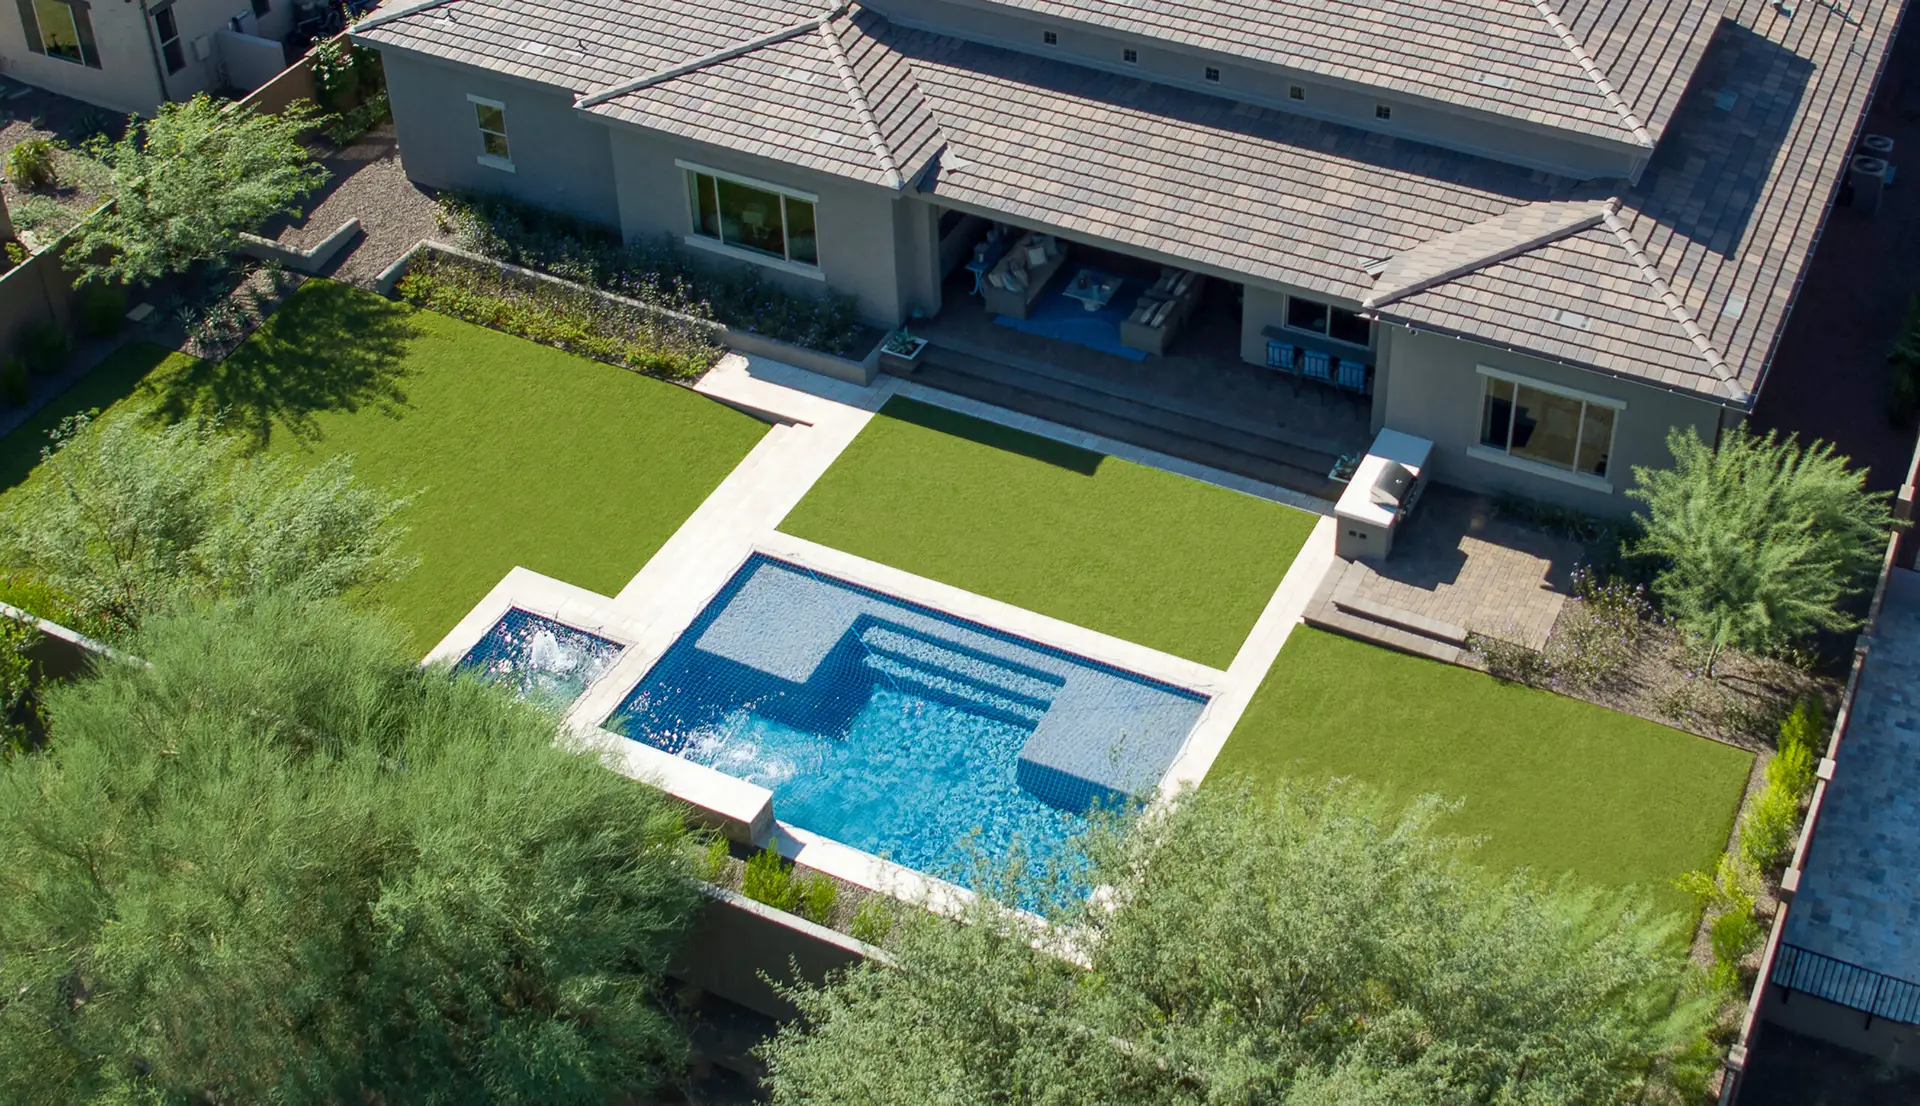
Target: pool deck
column 817, row 418
column 1859, row 894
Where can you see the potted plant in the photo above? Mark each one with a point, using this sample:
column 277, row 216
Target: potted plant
column 901, row 351
column 1344, row 468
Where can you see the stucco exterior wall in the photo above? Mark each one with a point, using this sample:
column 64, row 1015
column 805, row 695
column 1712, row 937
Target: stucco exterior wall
column 1099, row 48
column 126, row 80
column 1434, row 390
column 561, row 159
column 129, row 80
column 865, row 250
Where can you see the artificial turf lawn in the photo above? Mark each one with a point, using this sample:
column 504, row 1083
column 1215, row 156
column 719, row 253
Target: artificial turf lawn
column 1159, row 559
column 519, row 454
column 1551, row 783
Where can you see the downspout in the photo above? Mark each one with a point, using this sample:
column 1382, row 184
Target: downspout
column 153, row 53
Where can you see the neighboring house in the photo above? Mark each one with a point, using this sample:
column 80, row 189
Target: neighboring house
column 133, row 55
column 1538, row 232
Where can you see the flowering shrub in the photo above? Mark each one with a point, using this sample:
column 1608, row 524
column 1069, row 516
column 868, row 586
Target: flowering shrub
column 657, row 273
column 572, row 319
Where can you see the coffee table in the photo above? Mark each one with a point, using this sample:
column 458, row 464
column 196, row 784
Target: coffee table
column 1093, row 288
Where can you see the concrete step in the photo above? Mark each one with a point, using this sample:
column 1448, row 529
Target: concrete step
column 1336, row 606
column 1129, row 421
column 1335, row 620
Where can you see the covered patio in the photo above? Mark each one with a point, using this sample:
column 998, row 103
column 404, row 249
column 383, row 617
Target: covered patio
column 1198, row 399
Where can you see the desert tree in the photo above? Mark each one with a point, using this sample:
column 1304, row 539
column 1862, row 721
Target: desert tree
column 1303, row 946
column 280, row 862
column 1758, row 542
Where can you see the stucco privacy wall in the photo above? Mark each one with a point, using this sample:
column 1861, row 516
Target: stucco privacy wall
column 863, row 250
column 561, row 159
column 1090, row 45
column 1434, row 391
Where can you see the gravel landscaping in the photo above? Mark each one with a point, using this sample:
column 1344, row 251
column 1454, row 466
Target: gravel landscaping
column 368, row 184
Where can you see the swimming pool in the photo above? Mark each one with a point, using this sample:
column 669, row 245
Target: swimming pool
column 539, row 659
column 901, row 730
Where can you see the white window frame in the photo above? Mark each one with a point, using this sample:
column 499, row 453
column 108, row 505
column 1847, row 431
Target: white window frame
column 1286, row 316
column 717, row 246
column 1485, row 452
column 493, row 161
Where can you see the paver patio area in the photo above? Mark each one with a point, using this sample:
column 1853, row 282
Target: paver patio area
column 1551, row 783
column 519, row 454
column 1135, row 552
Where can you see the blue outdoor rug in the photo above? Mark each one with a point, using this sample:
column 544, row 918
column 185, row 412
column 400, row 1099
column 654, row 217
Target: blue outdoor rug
column 1061, row 318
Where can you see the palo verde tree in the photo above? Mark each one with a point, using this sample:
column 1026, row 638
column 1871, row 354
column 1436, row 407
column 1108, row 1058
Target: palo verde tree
column 1758, row 541
column 188, row 181
column 1298, row 947
column 279, row 862
column 122, row 517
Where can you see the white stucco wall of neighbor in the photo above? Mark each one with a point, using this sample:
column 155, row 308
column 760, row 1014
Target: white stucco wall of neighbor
column 1434, row 390
column 128, row 77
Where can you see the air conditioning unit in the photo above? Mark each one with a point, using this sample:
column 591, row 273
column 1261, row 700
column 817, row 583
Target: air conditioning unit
column 1877, row 145
column 1868, row 176
column 203, row 48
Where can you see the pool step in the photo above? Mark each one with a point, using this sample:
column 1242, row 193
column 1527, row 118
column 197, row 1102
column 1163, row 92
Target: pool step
column 936, row 664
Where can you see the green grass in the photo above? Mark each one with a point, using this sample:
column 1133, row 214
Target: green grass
column 520, row 454
column 1552, row 784
column 110, row 382
column 1158, row 559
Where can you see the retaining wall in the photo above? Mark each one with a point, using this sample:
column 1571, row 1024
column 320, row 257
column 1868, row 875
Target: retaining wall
column 741, row 949
column 860, row 372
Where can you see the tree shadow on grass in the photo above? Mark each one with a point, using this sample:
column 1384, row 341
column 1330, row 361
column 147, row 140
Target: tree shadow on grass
column 121, row 374
column 330, row 347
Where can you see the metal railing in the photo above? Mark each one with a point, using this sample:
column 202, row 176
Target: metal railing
column 1874, row 994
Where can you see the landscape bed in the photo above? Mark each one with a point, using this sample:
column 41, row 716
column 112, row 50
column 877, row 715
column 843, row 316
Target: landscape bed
column 1145, row 555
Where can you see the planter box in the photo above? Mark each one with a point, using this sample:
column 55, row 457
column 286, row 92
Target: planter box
column 859, row 372
column 902, row 363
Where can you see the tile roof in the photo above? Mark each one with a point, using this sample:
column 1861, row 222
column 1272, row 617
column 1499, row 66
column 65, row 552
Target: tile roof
column 1532, row 60
column 1686, row 284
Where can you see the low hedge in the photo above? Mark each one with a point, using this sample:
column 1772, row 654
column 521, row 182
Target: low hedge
column 656, row 272
column 572, row 319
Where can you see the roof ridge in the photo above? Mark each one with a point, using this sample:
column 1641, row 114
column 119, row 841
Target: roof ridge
column 727, row 53
column 1547, row 235
column 1592, row 69
column 1689, row 325
column 862, row 109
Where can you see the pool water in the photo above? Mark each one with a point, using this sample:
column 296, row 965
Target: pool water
column 932, row 741
column 539, row 659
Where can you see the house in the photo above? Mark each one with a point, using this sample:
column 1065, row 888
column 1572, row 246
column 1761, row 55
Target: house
column 133, row 55
column 1539, row 233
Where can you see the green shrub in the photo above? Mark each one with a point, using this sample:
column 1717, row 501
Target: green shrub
column 713, row 860
column 1903, row 361
column 873, row 921
column 658, row 273
column 45, row 347
column 769, row 879
column 30, row 165
column 1792, row 770
column 102, row 307
column 1733, row 935
column 15, row 388
column 1806, row 725
column 572, row 319
column 1768, row 828
column 818, row 896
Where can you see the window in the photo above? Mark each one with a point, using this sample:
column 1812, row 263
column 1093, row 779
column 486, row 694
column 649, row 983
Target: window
column 1213, row 74
column 1382, row 111
column 262, row 7
column 1051, row 38
column 1130, row 56
column 168, row 32
column 61, row 30
column 746, row 216
column 491, row 117
column 1549, row 426
column 1295, row 92
column 1336, row 323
